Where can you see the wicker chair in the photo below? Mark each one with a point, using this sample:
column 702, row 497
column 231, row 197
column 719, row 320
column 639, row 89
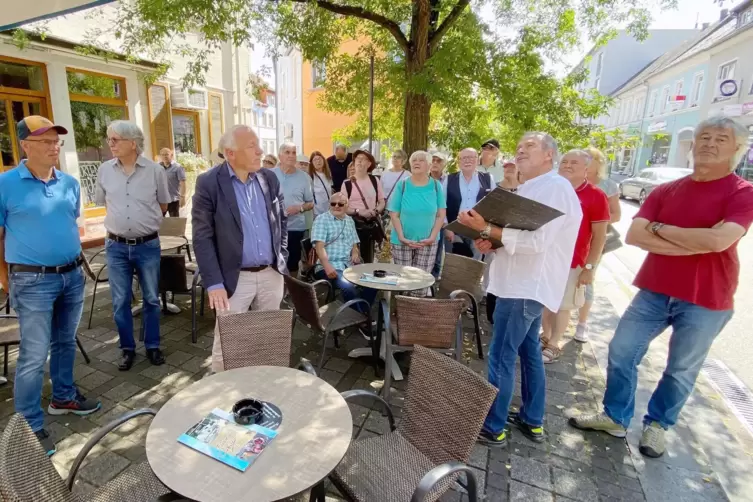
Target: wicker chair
column 96, row 270
column 176, row 227
column 463, row 275
column 173, row 278
column 329, row 318
column 426, row 322
column 258, row 338
column 445, row 407
column 27, row 474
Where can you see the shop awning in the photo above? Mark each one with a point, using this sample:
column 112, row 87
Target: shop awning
column 20, row 13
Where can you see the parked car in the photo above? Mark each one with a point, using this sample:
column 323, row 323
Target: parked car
column 638, row 187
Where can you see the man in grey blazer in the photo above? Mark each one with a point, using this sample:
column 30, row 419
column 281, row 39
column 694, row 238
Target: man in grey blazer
column 240, row 231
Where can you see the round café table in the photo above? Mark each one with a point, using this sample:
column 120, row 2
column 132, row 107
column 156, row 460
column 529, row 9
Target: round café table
column 408, row 279
column 312, row 439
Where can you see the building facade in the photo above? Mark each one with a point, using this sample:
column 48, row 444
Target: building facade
column 85, row 93
column 264, row 122
column 288, row 97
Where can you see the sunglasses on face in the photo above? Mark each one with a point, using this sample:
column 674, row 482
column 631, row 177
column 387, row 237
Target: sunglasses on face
column 337, row 204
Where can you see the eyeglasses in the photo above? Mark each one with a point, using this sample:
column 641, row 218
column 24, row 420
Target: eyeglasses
column 337, row 204
column 112, row 141
column 49, row 143
column 269, row 162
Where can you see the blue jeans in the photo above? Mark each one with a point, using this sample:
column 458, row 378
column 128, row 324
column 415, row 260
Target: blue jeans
column 694, row 329
column 122, row 260
column 49, row 309
column 349, row 290
column 517, row 324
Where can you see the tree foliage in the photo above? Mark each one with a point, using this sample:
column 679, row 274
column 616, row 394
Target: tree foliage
column 447, row 72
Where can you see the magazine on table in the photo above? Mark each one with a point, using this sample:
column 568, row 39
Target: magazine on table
column 220, row 437
column 507, row 210
column 388, row 280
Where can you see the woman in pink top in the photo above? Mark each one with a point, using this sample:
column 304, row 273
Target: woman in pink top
column 365, row 200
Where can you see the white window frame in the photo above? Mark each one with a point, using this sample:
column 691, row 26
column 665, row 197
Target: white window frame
column 654, row 96
column 696, row 90
column 664, row 99
column 730, row 74
column 597, row 82
column 637, row 108
column 599, row 64
column 317, row 68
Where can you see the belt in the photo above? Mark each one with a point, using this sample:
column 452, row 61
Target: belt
column 37, row 269
column 132, row 241
column 254, row 269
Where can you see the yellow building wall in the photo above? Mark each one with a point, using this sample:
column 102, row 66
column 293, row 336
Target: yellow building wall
column 318, row 125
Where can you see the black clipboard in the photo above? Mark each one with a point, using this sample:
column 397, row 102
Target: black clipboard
column 507, row 210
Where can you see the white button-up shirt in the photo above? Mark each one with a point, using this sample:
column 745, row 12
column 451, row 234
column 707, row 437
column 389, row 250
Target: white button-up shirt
column 535, row 265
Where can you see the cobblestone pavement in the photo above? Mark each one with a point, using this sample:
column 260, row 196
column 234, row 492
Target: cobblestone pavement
column 570, row 465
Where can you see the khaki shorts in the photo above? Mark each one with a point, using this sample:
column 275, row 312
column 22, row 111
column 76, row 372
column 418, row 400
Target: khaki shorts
column 575, row 296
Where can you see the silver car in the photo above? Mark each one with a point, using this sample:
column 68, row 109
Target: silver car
column 638, row 187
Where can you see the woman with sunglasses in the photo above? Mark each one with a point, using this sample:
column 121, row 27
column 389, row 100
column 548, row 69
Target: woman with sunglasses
column 321, row 183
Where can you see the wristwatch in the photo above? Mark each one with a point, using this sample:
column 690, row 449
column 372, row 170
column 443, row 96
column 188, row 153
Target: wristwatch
column 487, row 231
column 656, row 227
column 356, row 212
column 301, row 210
column 588, row 266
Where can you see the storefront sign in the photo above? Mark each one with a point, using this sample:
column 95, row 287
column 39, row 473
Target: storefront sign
column 657, row 126
column 732, row 110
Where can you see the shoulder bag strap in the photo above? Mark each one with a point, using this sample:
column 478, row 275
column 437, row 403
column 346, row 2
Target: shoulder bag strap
column 324, row 185
column 366, row 205
column 395, row 185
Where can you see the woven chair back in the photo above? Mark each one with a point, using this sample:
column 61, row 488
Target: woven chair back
column 172, row 273
column 173, row 227
column 460, row 272
column 445, row 406
column 26, row 473
column 305, row 303
column 427, row 321
column 256, row 338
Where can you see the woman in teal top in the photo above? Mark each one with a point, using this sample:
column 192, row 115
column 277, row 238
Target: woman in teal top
column 417, row 210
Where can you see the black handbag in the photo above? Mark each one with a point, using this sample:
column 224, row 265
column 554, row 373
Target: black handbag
column 370, row 226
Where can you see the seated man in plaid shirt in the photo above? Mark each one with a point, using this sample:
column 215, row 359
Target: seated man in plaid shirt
column 336, row 243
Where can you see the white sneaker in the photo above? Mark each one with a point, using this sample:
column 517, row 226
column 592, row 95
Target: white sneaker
column 598, row 422
column 581, row 333
column 652, row 440
column 3, row 380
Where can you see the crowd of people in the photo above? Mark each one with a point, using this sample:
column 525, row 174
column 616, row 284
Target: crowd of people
column 251, row 214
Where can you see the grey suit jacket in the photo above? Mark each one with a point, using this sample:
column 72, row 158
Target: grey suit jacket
column 217, row 231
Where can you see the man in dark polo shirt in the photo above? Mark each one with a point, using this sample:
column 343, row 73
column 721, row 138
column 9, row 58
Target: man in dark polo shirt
column 690, row 228
column 134, row 189
column 41, row 247
column 176, row 182
column 338, row 166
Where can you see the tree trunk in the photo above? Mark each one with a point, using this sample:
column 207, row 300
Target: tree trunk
column 417, row 104
column 416, row 122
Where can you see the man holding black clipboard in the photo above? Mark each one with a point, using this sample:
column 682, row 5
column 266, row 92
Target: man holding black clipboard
column 529, row 272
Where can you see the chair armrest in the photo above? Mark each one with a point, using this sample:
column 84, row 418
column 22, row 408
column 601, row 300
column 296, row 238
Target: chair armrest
column 330, row 290
column 97, row 254
column 463, row 292
column 97, row 437
column 351, row 395
column 437, row 474
column 96, row 279
column 196, row 279
column 305, row 365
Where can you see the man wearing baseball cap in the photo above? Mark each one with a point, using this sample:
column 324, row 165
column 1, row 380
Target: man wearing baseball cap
column 489, row 160
column 41, row 248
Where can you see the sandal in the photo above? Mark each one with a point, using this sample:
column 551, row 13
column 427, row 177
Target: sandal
column 551, row 354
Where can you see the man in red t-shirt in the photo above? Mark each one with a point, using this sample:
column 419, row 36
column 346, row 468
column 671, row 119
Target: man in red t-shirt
column 690, row 227
column 588, row 246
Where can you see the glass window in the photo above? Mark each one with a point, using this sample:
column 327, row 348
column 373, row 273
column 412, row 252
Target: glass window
column 6, row 143
column 90, row 121
column 318, row 73
column 95, row 85
column 21, row 76
column 217, row 127
column 727, row 70
column 697, row 84
column 185, row 132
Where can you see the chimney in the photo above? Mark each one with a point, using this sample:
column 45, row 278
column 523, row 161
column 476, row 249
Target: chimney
column 723, row 14
column 704, row 26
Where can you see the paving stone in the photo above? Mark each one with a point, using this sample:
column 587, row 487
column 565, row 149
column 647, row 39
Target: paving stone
column 81, row 370
column 196, row 364
column 339, row 365
column 177, row 358
column 525, row 493
column 122, row 391
column 104, row 468
column 615, row 492
column 94, row 380
column 479, row 456
column 574, row 485
column 531, row 472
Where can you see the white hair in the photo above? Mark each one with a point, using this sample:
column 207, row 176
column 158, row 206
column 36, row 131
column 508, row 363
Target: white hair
column 128, row 130
column 587, row 158
column 227, row 140
column 284, row 145
column 548, row 142
column 739, row 131
column 420, row 154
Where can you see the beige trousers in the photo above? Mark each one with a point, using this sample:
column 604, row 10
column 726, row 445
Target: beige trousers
column 257, row 291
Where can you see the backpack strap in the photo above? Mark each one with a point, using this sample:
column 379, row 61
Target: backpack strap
column 374, row 184
column 348, row 187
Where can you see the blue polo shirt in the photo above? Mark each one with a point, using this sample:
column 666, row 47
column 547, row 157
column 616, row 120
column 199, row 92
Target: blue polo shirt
column 39, row 218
